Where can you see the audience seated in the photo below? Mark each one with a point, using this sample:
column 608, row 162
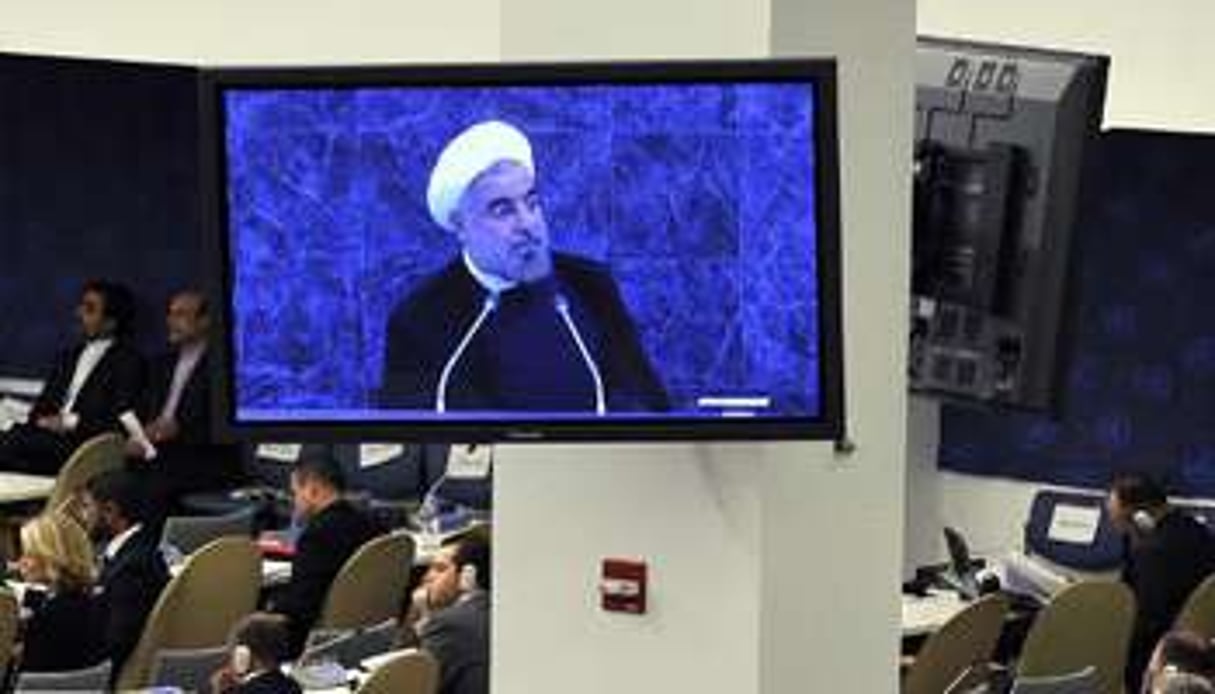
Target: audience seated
column 449, row 615
column 1166, row 555
column 133, row 572
column 175, row 409
column 62, row 631
column 87, row 389
column 1182, row 663
column 334, row 529
column 259, row 646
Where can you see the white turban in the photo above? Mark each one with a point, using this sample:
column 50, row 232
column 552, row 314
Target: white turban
column 469, row 155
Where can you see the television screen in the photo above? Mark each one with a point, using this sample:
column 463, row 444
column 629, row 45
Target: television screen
column 628, row 251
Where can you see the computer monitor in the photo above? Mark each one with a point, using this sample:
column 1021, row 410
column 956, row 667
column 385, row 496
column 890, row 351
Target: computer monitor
column 1002, row 134
column 527, row 252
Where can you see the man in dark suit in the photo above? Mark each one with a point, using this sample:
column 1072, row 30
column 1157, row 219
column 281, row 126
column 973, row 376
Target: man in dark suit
column 333, row 531
column 1166, row 555
column 508, row 326
column 133, row 572
column 88, row 387
column 259, row 646
column 176, row 408
column 449, row 616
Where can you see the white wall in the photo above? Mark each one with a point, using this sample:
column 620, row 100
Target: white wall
column 1162, row 52
column 255, row 31
column 773, row 564
column 1159, row 80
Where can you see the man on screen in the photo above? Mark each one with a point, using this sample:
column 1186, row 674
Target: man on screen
column 509, row 325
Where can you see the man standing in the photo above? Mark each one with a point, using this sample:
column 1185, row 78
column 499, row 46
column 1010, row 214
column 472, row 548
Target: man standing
column 88, row 387
column 508, row 325
column 333, row 531
column 1166, row 555
column 176, row 409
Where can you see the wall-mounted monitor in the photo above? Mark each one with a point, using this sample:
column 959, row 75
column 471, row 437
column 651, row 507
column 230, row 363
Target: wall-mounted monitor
column 517, row 252
column 1002, row 134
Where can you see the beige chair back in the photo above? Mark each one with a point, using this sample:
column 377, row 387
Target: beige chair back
column 1198, row 613
column 99, row 454
column 371, row 586
column 411, row 672
column 217, row 586
column 9, row 618
column 967, row 639
column 1087, row 623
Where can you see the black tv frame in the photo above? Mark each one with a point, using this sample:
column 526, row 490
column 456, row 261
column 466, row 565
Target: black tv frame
column 820, row 73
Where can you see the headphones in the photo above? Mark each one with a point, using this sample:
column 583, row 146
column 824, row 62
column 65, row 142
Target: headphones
column 1143, row 521
column 242, row 660
column 468, row 579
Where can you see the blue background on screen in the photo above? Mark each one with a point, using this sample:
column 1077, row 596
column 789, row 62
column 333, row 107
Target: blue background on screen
column 700, row 198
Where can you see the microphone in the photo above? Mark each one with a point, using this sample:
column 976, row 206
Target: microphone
column 491, row 303
column 563, row 309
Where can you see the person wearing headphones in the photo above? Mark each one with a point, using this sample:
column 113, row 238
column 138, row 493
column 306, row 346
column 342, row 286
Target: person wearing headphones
column 1166, row 554
column 259, row 645
column 449, row 616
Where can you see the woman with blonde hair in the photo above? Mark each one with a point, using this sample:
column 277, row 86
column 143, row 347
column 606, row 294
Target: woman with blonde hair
column 61, row 632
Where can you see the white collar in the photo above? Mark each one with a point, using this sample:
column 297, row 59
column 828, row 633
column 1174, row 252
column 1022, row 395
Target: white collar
column 492, row 283
column 115, row 544
column 99, row 343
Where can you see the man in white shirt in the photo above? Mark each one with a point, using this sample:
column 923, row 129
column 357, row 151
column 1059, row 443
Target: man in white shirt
column 175, row 410
column 88, row 388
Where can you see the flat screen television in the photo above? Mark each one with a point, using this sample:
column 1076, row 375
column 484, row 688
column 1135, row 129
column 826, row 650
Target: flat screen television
column 629, row 251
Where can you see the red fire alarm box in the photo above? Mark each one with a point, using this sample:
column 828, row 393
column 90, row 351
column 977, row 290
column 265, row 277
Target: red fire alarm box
column 623, row 586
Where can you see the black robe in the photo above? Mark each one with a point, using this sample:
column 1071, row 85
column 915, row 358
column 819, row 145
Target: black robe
column 524, row 356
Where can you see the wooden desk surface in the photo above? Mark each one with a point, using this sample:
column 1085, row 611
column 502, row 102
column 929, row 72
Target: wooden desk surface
column 17, row 486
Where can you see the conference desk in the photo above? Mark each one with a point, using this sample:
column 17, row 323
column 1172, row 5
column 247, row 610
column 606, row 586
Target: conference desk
column 18, row 487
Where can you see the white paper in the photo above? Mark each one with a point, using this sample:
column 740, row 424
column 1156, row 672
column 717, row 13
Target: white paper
column 280, row 452
column 27, row 387
column 1075, row 525
column 135, row 430
column 372, row 454
column 470, row 461
column 13, row 412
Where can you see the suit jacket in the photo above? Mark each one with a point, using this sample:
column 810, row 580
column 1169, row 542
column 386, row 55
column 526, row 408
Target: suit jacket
column 1162, row 568
column 192, row 461
column 328, row 540
column 193, row 413
column 427, row 326
column 62, row 633
column 458, row 637
column 128, row 588
column 272, row 682
column 111, row 389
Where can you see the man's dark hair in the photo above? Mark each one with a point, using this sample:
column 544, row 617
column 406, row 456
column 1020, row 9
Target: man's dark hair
column 118, row 304
column 1138, row 490
column 265, row 635
column 1188, row 652
column 322, row 468
column 204, row 304
column 124, row 490
column 473, row 548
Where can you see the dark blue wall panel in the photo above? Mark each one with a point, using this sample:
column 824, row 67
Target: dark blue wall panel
column 98, row 178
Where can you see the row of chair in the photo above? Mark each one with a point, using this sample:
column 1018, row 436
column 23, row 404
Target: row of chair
column 1087, row 626
column 1077, row 642
column 219, row 583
